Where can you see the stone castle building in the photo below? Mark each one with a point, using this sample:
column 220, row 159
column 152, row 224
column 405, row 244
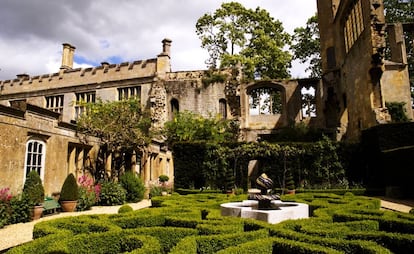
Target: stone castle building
column 358, row 78
column 38, row 113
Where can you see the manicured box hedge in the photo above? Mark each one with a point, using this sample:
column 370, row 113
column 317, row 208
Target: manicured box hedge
column 341, row 224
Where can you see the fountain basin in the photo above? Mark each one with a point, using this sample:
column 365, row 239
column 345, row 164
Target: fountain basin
column 278, row 212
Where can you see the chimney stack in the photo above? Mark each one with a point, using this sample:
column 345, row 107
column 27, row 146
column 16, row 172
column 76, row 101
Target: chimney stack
column 166, row 45
column 67, row 56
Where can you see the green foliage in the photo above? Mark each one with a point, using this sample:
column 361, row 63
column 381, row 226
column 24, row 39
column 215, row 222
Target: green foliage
column 235, row 35
column 112, row 194
column 188, row 126
column 351, row 224
column 223, row 166
column 397, row 112
column 326, row 169
column 70, row 189
column 306, row 46
column 33, row 190
column 86, row 200
column 212, row 77
column 290, row 183
column 133, row 185
column 125, row 209
column 163, row 178
column 20, row 210
column 157, row 190
column 119, row 124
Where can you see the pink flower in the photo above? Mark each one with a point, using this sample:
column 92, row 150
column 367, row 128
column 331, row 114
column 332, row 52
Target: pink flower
column 5, row 196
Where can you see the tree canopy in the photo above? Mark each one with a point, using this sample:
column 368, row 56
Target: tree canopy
column 235, row 35
column 306, row 46
column 188, row 126
column 119, row 124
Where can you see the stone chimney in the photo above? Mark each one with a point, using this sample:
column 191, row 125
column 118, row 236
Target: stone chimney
column 163, row 59
column 166, row 46
column 67, row 56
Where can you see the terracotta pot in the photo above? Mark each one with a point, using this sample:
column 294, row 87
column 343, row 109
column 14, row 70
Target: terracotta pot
column 36, row 212
column 68, row 206
column 291, row 192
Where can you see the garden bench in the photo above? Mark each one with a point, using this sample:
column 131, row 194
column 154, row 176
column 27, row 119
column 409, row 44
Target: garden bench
column 50, row 206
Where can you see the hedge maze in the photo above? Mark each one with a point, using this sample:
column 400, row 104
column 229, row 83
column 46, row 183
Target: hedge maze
column 193, row 224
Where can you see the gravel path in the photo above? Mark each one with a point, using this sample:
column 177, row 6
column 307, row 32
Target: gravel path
column 13, row 235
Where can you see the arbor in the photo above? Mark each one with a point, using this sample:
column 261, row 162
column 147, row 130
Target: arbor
column 122, row 126
column 306, row 46
column 235, row 35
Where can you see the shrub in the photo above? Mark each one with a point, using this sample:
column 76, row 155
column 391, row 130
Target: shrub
column 157, row 190
column 87, row 193
column 33, row 189
column 69, row 191
column 133, row 185
column 412, row 211
column 5, row 210
column 138, row 220
column 112, row 194
column 163, row 178
column 125, row 209
column 20, row 210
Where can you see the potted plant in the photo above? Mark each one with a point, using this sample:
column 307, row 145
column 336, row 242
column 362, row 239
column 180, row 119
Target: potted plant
column 163, row 179
column 34, row 192
column 290, row 184
column 69, row 194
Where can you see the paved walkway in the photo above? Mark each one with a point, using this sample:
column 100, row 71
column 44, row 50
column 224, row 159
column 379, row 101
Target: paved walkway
column 397, row 205
column 15, row 234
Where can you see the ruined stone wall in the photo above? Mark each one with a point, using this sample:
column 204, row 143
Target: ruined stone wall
column 356, row 82
column 192, row 95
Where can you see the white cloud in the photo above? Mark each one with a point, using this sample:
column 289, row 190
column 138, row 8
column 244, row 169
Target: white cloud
column 32, row 31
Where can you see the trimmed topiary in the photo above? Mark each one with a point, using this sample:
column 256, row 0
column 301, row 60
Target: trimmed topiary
column 70, row 189
column 33, row 189
column 163, row 178
column 125, row 209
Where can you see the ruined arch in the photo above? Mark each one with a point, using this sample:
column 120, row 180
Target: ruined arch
column 266, row 98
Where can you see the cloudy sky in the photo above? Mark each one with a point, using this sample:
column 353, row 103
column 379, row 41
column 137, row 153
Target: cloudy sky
column 32, row 31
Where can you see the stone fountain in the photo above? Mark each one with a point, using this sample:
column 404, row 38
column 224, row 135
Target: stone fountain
column 263, row 205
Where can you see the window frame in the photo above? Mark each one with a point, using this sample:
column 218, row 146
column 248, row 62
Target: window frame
column 42, row 159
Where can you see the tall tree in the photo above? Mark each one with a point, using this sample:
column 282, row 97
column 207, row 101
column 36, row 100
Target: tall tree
column 235, row 35
column 122, row 126
column 306, row 46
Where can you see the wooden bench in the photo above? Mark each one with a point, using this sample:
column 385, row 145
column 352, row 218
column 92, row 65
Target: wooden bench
column 50, row 206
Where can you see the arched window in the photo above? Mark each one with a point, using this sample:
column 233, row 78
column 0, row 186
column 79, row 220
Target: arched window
column 175, row 108
column 35, row 157
column 265, row 101
column 223, row 108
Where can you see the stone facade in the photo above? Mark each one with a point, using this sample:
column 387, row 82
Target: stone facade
column 162, row 91
column 63, row 153
column 350, row 97
column 357, row 80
